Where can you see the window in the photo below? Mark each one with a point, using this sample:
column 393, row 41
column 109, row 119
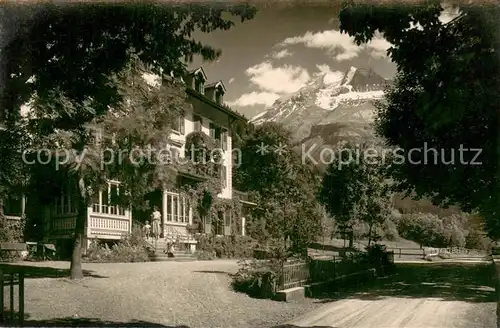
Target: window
column 227, row 219
column 218, row 224
column 96, row 201
column 113, row 209
column 216, row 134
column 102, row 200
column 198, row 85
column 197, row 123
column 177, row 208
column 178, row 124
column 218, row 96
column 65, row 204
column 12, row 206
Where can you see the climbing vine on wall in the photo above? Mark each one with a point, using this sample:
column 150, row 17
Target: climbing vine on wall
column 205, row 161
column 231, row 207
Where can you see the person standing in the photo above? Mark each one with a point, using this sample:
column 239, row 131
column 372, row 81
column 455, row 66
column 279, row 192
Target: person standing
column 155, row 218
column 147, row 230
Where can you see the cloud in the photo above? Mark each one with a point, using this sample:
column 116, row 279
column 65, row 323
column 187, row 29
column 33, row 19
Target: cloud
column 281, row 54
column 284, row 79
column 378, row 46
column 330, row 76
column 340, row 45
column 449, row 12
column 255, row 98
column 231, row 80
column 272, row 83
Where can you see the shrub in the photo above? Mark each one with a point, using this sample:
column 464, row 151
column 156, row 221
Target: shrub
column 444, row 255
column 239, row 247
column 256, row 278
column 203, row 255
column 131, row 249
column 11, row 231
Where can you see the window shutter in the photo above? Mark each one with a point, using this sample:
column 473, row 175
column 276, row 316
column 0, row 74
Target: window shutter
column 227, row 223
column 208, row 223
column 212, row 130
column 181, row 124
column 223, row 176
column 224, row 139
column 197, row 123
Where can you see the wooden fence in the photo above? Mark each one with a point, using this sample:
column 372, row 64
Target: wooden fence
column 298, row 274
column 420, row 253
column 294, row 275
column 9, row 278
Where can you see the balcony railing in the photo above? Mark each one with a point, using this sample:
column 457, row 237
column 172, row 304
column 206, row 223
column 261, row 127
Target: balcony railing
column 244, row 196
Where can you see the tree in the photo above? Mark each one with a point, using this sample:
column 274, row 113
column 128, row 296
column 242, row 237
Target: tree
column 286, row 187
column 442, row 97
column 354, row 191
column 66, row 57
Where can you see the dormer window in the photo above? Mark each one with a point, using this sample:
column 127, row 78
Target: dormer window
column 219, row 94
column 199, row 85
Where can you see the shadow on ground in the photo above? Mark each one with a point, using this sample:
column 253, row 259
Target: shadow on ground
column 215, row 272
column 447, row 281
column 292, row 326
column 43, row 272
column 80, row 322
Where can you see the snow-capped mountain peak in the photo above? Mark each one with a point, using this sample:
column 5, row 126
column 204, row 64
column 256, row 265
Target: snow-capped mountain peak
column 355, row 87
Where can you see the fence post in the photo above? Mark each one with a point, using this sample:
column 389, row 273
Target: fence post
column 334, row 267
column 11, row 297
column 282, row 277
column 21, row 298
column 399, row 252
column 2, row 317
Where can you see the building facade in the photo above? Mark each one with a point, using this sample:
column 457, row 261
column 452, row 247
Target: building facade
column 106, row 222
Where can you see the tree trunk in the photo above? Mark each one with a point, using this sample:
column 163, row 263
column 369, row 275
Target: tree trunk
column 351, row 238
column 76, row 271
column 370, row 234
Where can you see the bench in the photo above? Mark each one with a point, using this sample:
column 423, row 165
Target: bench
column 12, row 251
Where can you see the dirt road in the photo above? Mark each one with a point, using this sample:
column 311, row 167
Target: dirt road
column 421, row 295
column 398, row 312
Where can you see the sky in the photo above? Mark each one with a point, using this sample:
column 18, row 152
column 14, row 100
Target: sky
column 281, row 49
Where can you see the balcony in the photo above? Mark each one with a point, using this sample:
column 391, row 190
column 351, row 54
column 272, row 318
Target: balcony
column 244, row 197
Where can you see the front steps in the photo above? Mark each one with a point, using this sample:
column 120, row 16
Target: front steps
column 160, row 254
column 179, row 256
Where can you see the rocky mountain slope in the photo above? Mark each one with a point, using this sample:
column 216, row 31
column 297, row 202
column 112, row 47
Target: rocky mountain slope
column 327, row 110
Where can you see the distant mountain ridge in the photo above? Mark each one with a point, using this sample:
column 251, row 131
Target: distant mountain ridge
column 329, row 110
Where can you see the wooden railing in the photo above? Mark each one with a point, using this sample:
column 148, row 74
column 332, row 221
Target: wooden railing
column 294, row 275
column 109, row 226
column 298, row 274
column 9, row 278
column 244, row 196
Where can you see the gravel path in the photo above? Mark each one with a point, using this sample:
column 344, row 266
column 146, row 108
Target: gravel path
column 396, row 312
column 194, row 294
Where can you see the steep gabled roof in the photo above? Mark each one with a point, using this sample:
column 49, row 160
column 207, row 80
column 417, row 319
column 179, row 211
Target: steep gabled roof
column 216, row 85
column 197, row 71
